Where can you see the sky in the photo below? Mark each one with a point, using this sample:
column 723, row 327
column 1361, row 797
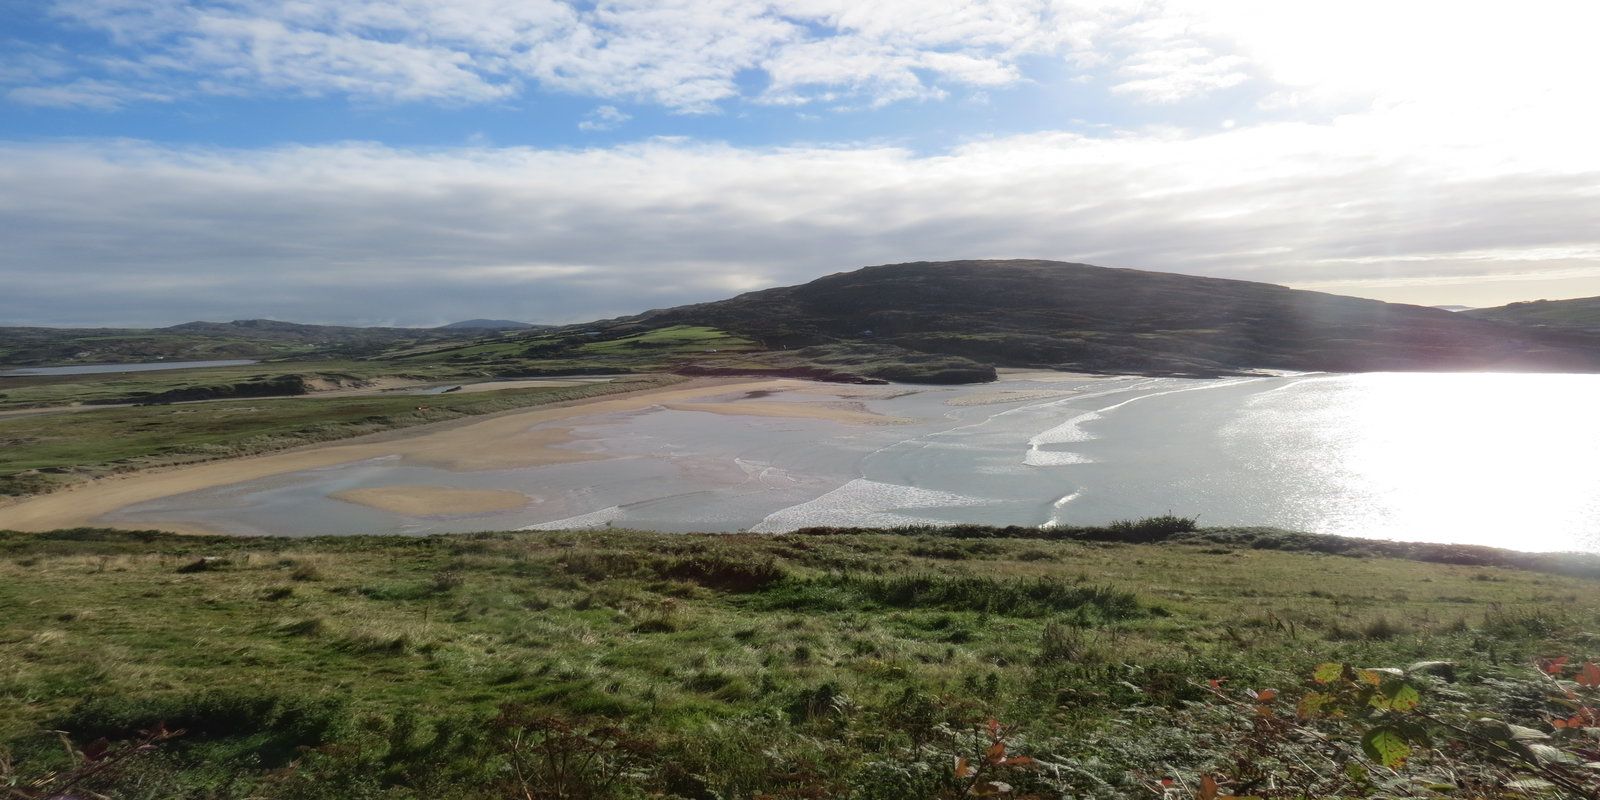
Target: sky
column 415, row 162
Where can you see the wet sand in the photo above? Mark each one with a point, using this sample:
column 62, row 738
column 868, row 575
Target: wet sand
column 1007, row 396
column 427, row 501
column 855, row 415
column 522, row 438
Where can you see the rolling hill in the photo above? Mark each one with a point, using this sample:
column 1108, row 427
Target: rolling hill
column 1047, row 314
column 490, row 325
column 1581, row 314
column 198, row 341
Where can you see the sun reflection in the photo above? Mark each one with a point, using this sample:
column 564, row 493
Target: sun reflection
column 1504, row 460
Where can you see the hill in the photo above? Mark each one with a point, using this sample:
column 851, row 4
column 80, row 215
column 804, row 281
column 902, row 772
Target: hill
column 490, row 325
column 200, row 341
column 1579, row 314
column 1047, row 314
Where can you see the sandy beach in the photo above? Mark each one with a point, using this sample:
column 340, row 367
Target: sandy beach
column 523, row 438
column 853, row 413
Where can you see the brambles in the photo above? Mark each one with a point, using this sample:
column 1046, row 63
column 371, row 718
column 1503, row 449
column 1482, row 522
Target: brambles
column 1356, row 732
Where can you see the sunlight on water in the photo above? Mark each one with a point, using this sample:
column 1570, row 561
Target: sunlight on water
column 1505, row 460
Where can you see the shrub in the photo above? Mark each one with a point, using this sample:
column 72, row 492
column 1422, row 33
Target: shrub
column 1150, row 529
column 724, row 574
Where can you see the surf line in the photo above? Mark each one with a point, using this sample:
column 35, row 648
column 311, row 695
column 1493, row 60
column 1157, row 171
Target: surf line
column 1070, row 431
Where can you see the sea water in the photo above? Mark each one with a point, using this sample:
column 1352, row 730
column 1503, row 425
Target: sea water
column 1495, row 459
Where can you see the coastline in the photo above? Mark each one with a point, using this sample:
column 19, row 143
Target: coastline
column 520, row 438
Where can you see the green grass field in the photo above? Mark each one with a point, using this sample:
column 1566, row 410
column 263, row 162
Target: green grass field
column 854, row 665
column 41, row 452
column 39, row 391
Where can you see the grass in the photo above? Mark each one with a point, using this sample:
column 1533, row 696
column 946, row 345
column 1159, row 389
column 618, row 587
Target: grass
column 39, row 391
column 835, row 664
column 41, row 452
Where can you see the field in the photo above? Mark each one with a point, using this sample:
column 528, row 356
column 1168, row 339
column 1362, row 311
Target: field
column 41, row 452
column 814, row 665
column 42, row 391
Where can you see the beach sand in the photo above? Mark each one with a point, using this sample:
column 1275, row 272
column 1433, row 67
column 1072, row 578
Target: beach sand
column 855, row 415
column 522, row 438
column 432, row 501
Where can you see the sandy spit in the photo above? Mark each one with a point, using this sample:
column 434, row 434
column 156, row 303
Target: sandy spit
column 502, row 441
column 434, row 501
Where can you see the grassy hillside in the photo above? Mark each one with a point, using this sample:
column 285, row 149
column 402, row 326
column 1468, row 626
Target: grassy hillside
column 206, row 341
column 1581, row 314
column 1074, row 316
column 822, row 665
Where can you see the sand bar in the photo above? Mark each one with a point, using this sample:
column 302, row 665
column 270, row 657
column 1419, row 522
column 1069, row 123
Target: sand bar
column 434, row 501
column 756, row 408
column 521, row 438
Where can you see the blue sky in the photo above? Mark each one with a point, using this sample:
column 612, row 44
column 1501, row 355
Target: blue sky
column 417, row 161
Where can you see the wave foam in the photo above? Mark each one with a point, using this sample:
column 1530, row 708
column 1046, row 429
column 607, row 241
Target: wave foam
column 863, row 503
column 594, row 519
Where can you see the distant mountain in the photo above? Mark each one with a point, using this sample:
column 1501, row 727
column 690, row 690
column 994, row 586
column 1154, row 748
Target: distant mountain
column 1582, row 314
column 1059, row 315
column 490, row 325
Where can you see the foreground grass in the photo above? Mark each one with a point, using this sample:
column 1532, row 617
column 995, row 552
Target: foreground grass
column 40, row 453
column 623, row 664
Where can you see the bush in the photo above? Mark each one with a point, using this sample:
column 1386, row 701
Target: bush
column 1150, row 529
column 724, row 574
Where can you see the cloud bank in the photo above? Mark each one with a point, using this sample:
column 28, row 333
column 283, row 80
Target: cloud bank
column 138, row 233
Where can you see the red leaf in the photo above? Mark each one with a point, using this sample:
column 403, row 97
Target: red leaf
column 963, row 770
column 1552, row 666
column 1216, row 683
column 1018, row 761
column 994, row 728
column 1267, row 695
column 996, row 753
column 1590, row 675
column 1208, row 788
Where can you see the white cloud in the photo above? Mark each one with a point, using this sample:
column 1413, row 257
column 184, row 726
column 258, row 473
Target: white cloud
column 83, row 93
column 687, row 55
column 140, row 233
column 603, row 118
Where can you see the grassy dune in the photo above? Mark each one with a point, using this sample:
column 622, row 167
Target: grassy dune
column 40, row 453
column 828, row 664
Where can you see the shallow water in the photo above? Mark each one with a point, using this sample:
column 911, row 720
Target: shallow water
column 98, row 369
column 1503, row 460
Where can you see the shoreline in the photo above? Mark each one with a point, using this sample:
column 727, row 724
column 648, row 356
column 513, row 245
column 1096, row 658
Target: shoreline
column 525, row 437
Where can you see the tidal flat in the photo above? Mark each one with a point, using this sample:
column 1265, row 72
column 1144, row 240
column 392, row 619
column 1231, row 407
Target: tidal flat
column 1423, row 457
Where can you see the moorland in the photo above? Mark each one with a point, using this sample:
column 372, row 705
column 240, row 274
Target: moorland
column 1144, row 659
